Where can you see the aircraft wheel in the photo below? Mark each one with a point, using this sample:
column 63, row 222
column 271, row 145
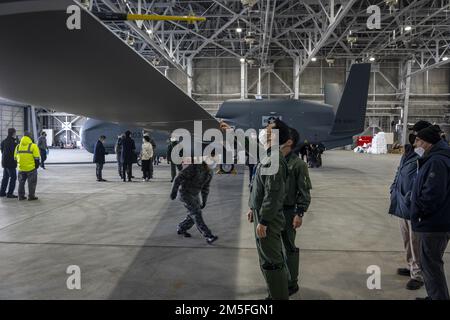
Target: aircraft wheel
column 227, row 168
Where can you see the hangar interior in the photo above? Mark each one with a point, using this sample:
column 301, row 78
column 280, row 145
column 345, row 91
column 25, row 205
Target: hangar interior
column 123, row 236
column 289, row 49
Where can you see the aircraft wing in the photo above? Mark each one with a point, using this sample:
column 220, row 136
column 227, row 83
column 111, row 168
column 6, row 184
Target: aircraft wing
column 89, row 72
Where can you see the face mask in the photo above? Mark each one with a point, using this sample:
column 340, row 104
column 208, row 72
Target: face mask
column 412, row 138
column 420, row 151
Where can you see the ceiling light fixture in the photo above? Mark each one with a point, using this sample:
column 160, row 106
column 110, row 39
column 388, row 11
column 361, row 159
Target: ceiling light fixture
column 313, row 59
column 238, row 29
column 408, row 28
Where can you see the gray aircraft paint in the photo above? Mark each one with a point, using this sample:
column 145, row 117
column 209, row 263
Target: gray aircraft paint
column 317, row 123
column 89, row 72
column 93, row 129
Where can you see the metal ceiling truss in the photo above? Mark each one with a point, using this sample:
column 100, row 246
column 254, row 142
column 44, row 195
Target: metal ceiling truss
column 276, row 29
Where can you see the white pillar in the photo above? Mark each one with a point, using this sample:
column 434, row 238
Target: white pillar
column 34, row 123
column 296, row 77
column 243, row 80
column 190, row 80
column 259, row 89
column 406, row 101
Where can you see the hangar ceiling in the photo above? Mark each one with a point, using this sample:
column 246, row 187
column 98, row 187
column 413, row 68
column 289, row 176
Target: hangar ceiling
column 264, row 31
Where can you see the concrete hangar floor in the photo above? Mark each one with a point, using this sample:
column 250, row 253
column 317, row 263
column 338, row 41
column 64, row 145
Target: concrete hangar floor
column 123, row 237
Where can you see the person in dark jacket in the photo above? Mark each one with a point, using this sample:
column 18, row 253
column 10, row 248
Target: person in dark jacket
column 128, row 156
column 99, row 157
column 430, row 209
column 173, row 166
column 401, row 207
column 118, row 151
column 9, row 165
column 43, row 148
column 191, row 183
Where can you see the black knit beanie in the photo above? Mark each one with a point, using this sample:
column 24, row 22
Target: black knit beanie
column 420, row 125
column 430, row 134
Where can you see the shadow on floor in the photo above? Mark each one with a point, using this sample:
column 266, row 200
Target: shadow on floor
column 169, row 266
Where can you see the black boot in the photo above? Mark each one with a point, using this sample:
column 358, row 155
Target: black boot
column 184, row 233
column 211, row 239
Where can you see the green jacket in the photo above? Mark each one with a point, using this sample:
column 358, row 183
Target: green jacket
column 298, row 184
column 267, row 194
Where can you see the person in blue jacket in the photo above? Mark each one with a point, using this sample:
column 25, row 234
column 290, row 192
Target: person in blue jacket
column 430, row 209
column 400, row 207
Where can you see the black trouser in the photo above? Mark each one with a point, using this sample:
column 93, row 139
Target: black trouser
column 173, row 170
column 146, row 169
column 9, row 176
column 43, row 157
column 31, row 176
column 432, row 248
column 126, row 169
column 251, row 172
column 98, row 170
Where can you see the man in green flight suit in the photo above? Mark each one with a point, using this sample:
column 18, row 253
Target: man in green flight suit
column 296, row 203
column 267, row 195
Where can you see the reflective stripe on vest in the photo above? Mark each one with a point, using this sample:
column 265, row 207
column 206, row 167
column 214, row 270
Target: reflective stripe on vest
column 25, row 151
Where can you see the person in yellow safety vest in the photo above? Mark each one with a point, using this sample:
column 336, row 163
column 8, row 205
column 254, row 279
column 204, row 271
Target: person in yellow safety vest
column 27, row 156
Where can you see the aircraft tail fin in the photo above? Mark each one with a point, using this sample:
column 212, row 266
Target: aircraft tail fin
column 350, row 115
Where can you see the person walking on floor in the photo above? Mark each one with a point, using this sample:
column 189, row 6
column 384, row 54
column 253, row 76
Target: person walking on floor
column 99, row 157
column 43, row 148
column 192, row 183
column 146, row 157
column 400, row 207
column 9, row 165
column 128, row 156
column 27, row 156
column 430, row 209
column 173, row 166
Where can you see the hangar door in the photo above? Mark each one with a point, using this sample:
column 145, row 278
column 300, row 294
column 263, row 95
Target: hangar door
column 11, row 117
